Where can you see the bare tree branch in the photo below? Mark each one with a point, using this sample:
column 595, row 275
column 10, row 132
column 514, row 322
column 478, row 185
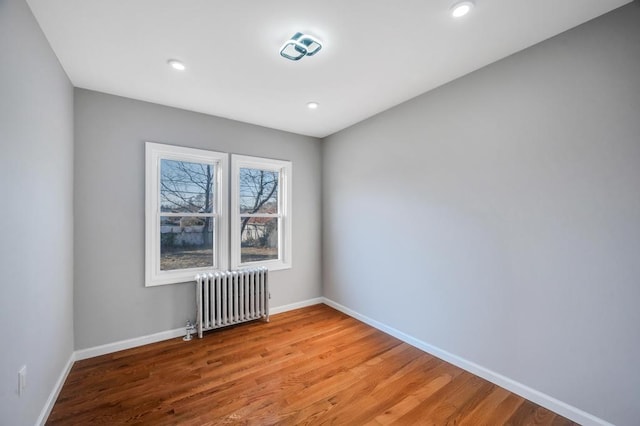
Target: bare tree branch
column 257, row 182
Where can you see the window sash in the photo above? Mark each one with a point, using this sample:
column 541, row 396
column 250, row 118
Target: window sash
column 155, row 153
column 278, row 192
column 172, row 250
column 265, row 262
column 283, row 216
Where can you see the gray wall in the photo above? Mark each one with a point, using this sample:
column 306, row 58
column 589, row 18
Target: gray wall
column 498, row 217
column 111, row 302
column 36, row 190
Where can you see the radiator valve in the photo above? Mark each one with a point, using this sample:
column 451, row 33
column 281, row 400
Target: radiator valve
column 191, row 328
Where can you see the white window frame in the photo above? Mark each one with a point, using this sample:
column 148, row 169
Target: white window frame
column 284, row 168
column 154, row 153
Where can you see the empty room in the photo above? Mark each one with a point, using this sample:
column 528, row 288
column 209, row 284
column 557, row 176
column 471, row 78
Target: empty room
column 341, row 212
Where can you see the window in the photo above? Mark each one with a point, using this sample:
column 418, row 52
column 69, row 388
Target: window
column 186, row 223
column 261, row 212
column 187, row 226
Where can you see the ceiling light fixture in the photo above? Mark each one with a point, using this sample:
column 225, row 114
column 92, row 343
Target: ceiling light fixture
column 176, row 64
column 461, row 8
column 299, row 46
column 313, row 105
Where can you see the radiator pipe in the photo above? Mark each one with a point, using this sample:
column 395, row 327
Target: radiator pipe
column 189, row 329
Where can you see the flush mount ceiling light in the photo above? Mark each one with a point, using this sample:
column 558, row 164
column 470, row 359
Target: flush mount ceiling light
column 299, row 46
column 461, row 8
column 176, row 64
column 313, row 105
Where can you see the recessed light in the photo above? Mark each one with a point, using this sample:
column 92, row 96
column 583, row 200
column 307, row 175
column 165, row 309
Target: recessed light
column 461, row 8
column 313, row 105
column 176, row 64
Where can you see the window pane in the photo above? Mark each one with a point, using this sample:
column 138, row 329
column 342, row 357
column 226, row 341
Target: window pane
column 259, row 239
column 258, row 191
column 186, row 187
column 186, row 242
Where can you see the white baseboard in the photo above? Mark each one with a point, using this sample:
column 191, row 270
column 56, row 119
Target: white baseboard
column 170, row 334
column 129, row 343
column 53, row 396
column 511, row 385
column 297, row 305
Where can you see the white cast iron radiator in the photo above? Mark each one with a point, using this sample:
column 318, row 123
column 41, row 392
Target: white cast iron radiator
column 231, row 297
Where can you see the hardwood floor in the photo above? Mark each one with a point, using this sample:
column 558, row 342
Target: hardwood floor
column 309, row 366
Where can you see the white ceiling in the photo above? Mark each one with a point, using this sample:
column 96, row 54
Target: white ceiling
column 376, row 54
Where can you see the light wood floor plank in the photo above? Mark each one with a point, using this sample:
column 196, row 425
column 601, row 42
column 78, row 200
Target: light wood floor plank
column 309, row 366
